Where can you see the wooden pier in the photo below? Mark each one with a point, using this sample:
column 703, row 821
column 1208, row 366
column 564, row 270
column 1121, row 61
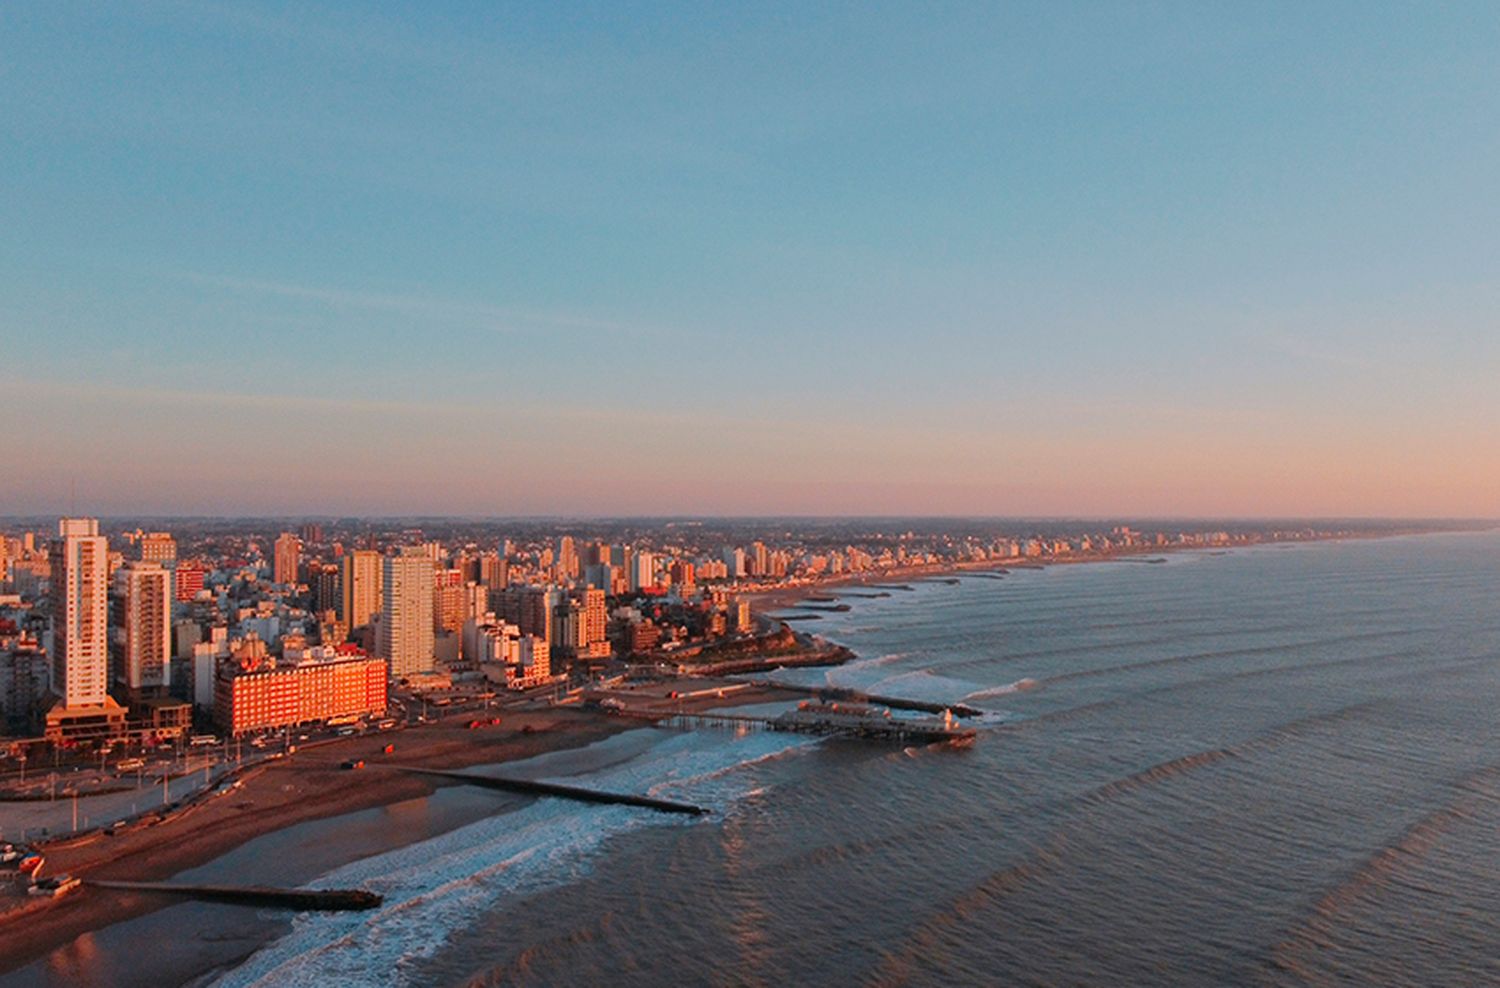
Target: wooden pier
column 858, row 696
column 870, row 728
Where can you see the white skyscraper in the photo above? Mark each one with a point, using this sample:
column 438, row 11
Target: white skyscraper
column 80, row 585
column 406, row 638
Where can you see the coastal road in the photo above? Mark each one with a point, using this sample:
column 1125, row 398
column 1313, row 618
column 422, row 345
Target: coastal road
column 26, row 819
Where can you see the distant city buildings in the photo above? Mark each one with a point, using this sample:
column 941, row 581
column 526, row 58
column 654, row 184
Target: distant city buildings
column 189, row 619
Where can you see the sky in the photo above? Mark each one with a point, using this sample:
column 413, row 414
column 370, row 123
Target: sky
column 1099, row 259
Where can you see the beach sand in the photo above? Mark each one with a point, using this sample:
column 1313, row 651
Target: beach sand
column 309, row 785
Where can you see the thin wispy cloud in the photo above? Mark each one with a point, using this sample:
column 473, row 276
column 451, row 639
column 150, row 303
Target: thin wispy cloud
column 426, row 307
column 1316, row 351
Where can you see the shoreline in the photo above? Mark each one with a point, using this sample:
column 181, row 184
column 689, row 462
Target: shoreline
column 310, row 786
column 781, row 598
column 304, row 788
column 307, row 787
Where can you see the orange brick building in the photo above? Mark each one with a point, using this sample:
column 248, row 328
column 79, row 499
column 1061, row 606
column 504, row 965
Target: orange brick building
column 268, row 697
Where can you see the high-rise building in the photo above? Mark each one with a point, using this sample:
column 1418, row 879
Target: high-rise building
column 734, row 562
column 566, row 560
column 312, row 533
column 448, row 600
column 325, row 587
column 362, row 580
column 287, row 554
column 567, row 626
column 406, row 639
column 80, row 585
column 593, row 641
column 530, row 609
column 494, row 570
column 158, row 547
column 642, row 571
column 143, row 631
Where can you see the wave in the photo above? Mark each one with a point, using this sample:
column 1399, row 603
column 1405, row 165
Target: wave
column 1046, row 653
column 879, row 660
column 1019, row 686
column 1315, row 932
column 924, row 945
column 917, row 684
column 1171, row 660
column 1125, row 699
column 438, row 886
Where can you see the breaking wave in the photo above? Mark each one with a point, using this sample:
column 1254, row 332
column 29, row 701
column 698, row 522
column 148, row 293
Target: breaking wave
column 438, row 886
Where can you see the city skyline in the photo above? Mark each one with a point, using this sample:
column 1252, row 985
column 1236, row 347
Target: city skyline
column 1032, row 260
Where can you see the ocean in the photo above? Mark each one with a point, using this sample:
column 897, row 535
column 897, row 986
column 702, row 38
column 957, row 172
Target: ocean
column 1269, row 766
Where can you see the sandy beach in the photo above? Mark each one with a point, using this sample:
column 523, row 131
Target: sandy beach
column 308, row 786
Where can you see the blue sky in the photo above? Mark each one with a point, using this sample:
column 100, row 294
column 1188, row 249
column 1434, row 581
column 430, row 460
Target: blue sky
column 991, row 258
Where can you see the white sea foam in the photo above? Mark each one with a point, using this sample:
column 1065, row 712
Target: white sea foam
column 879, row 660
column 1016, row 687
column 919, row 684
column 437, row 886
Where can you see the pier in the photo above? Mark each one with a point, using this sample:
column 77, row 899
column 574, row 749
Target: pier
column 832, row 724
column 531, row 787
column 302, row 900
column 856, row 696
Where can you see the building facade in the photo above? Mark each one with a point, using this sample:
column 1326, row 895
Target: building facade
column 270, row 697
column 79, row 600
column 143, row 629
column 362, row 579
column 406, row 639
column 287, row 554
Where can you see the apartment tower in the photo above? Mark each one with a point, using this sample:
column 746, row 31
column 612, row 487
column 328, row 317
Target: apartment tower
column 406, row 637
column 80, row 587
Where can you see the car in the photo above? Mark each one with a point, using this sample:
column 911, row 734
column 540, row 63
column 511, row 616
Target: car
column 353, row 763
